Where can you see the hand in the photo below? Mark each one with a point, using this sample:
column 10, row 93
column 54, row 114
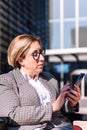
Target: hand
column 74, row 96
column 58, row 103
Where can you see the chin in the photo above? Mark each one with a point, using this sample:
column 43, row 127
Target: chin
column 40, row 70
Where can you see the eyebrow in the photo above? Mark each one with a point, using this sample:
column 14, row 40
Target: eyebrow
column 37, row 50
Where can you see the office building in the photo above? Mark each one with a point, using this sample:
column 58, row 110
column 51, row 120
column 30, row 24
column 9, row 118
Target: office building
column 68, row 42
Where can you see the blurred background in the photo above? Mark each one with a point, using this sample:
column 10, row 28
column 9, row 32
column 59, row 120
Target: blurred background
column 62, row 26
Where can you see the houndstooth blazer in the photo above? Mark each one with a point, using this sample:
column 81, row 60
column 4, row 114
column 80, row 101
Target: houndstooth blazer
column 20, row 102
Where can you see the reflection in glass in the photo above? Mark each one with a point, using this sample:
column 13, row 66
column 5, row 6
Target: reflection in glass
column 83, row 8
column 58, row 67
column 69, row 8
column 69, row 34
column 54, row 35
column 83, row 34
column 54, row 9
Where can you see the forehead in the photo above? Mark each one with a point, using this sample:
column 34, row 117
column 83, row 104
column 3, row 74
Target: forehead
column 35, row 46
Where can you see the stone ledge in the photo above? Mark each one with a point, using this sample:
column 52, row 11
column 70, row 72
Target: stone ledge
column 82, row 124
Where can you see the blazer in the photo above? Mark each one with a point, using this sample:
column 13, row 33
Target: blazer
column 20, row 102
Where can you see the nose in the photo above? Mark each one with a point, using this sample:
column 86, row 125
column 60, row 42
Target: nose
column 41, row 57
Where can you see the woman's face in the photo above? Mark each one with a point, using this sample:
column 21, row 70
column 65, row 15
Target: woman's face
column 33, row 62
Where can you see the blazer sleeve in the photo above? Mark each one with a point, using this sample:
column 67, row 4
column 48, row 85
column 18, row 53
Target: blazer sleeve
column 67, row 109
column 20, row 115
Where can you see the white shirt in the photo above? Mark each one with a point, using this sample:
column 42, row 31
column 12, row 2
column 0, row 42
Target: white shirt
column 42, row 92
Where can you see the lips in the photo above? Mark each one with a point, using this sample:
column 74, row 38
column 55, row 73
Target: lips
column 41, row 65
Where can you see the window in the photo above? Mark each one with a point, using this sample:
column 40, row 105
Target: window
column 69, row 8
column 68, row 23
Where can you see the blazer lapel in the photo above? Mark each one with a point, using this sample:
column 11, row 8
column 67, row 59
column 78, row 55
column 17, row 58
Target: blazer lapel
column 22, row 83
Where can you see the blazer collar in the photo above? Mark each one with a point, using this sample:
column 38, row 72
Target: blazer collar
column 20, row 80
column 19, row 77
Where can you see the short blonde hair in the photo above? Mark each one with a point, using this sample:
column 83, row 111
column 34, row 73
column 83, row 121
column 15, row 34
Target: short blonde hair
column 19, row 47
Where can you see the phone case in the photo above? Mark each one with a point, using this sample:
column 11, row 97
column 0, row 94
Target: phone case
column 79, row 78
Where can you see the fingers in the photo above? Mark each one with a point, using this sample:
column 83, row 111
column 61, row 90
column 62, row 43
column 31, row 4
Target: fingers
column 67, row 84
column 66, row 87
column 74, row 96
column 65, row 90
column 77, row 88
column 77, row 92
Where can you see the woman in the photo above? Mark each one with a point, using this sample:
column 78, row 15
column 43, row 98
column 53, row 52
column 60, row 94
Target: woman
column 29, row 96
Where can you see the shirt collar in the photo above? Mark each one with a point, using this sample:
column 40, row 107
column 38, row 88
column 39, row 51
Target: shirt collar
column 27, row 77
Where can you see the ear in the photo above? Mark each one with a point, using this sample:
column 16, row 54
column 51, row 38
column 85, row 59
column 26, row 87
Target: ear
column 20, row 61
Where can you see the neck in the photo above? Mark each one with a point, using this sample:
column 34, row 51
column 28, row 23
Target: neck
column 31, row 75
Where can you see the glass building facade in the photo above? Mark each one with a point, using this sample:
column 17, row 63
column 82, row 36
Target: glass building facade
column 18, row 17
column 68, row 23
column 68, row 30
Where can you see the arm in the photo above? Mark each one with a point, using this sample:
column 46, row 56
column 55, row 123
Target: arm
column 68, row 99
column 62, row 100
column 22, row 115
column 72, row 102
column 74, row 96
column 58, row 104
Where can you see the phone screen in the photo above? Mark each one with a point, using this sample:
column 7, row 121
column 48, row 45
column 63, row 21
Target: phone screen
column 79, row 79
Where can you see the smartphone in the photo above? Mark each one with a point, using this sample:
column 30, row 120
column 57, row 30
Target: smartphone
column 79, row 79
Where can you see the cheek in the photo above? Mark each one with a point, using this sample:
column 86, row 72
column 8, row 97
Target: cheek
column 31, row 65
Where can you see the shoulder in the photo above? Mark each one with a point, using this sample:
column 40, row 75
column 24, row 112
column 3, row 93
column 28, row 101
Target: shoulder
column 6, row 77
column 48, row 77
column 6, row 82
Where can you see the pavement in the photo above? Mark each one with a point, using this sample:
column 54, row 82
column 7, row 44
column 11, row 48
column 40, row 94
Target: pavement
column 82, row 109
column 83, row 105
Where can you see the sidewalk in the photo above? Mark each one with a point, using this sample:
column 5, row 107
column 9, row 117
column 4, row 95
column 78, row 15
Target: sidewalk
column 83, row 105
column 83, row 109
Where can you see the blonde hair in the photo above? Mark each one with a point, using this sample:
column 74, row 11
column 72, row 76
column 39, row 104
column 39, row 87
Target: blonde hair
column 19, row 47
